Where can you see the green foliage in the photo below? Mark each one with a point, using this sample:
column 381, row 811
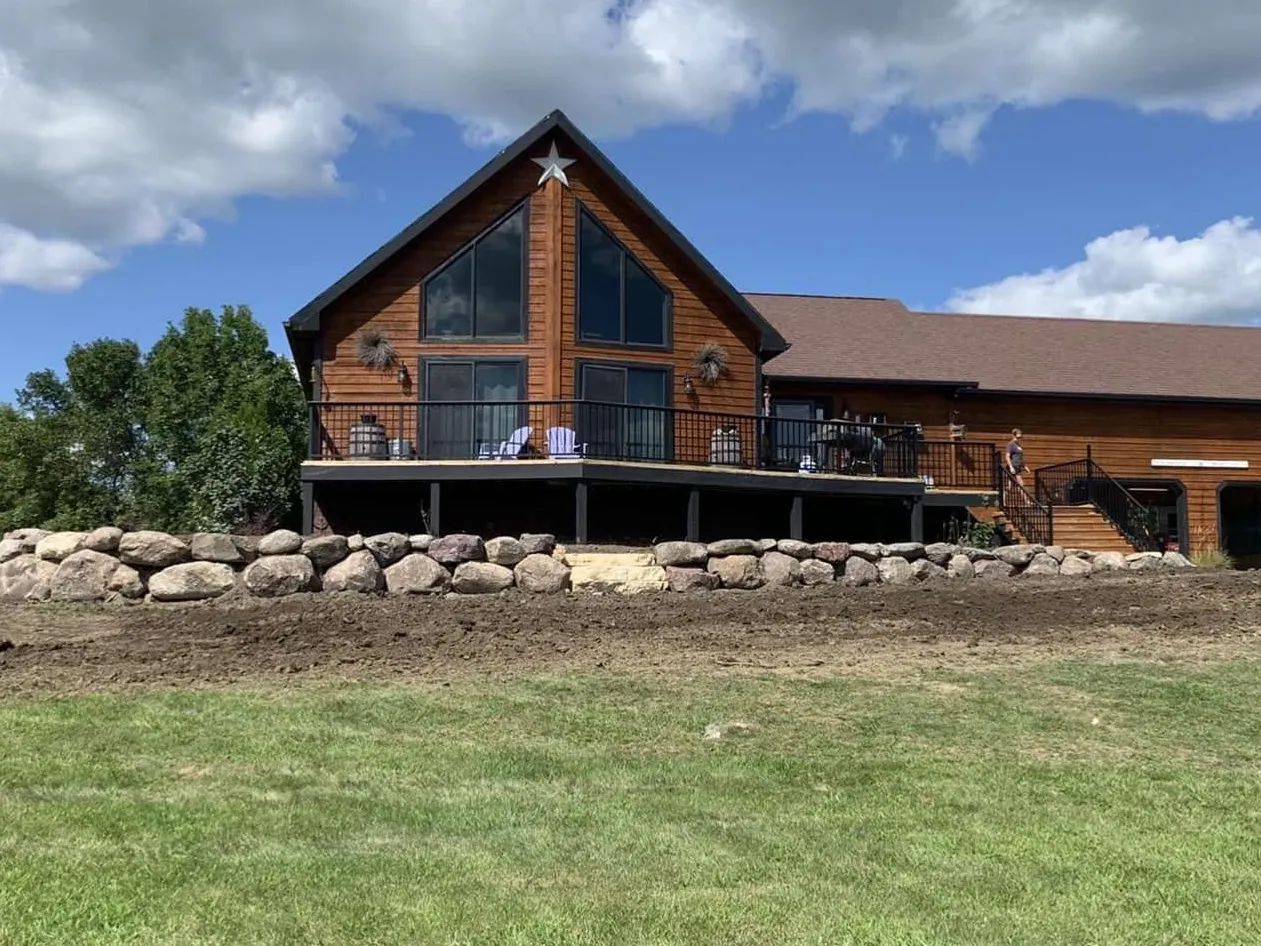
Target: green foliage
column 205, row 431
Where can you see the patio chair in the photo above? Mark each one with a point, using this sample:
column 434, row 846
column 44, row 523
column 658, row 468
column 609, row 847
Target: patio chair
column 561, row 446
column 512, row 448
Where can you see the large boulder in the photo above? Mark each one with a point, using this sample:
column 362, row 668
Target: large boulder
column 737, row 571
column 766, row 545
column 388, row 547
column 27, row 538
column 796, row 548
column 83, row 576
column 104, row 539
column 1057, row 553
column 127, row 583
column 1108, row 562
column 538, row 543
column 1143, row 561
column 192, row 581
column 325, row 551
column 975, row 554
column 1176, row 560
column 993, row 568
column 725, row 547
column 834, row 553
column 868, row 551
column 9, row 549
column 26, row 578
column 59, row 546
column 354, row 543
column 454, row 549
column 925, row 570
column 895, row 570
column 359, row 572
column 686, row 579
column 860, row 571
column 215, row 547
column 151, row 550
column 1017, row 556
column 504, row 550
column 420, row 542
column 816, row 572
column 907, row 550
column 274, row 576
column 247, row 545
column 624, row 573
column 940, row 553
column 960, row 566
column 1074, row 567
column 541, row 574
column 780, row 569
column 1041, row 565
column 280, row 542
column 417, row 574
column 481, row 578
column 681, row 554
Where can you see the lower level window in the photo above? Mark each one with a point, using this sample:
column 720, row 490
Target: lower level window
column 470, row 407
column 627, row 417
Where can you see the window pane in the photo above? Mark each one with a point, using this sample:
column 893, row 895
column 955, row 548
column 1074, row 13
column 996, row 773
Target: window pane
column 646, row 387
column 448, row 429
column 599, row 283
column 449, row 381
column 498, row 382
column 603, row 384
column 500, row 294
column 646, row 430
column 449, row 300
column 645, row 307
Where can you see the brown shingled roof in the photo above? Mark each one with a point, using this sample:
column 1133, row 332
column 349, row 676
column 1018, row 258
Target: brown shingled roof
column 881, row 340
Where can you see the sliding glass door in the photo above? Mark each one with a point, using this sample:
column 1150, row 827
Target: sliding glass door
column 463, row 413
column 631, row 422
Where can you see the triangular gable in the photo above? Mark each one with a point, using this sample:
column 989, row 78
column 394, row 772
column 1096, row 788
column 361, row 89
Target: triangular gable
column 307, row 319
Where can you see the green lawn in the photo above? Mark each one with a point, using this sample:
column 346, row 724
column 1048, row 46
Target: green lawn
column 1067, row 804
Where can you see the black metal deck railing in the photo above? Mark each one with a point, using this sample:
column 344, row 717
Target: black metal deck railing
column 1082, row 482
column 498, row 430
column 1033, row 517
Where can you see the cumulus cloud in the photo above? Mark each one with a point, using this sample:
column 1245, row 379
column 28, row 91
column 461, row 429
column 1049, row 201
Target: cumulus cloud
column 124, row 122
column 1214, row 277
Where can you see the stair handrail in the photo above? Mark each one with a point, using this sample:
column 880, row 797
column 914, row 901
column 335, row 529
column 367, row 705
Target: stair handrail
column 1034, row 519
column 1119, row 506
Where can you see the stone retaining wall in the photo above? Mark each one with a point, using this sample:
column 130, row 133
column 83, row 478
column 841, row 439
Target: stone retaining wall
column 108, row 564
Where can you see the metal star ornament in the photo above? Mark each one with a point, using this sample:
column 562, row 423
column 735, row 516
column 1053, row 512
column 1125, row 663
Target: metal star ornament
column 553, row 166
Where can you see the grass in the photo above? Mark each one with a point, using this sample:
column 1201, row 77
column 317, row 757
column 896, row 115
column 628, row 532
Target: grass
column 1067, row 804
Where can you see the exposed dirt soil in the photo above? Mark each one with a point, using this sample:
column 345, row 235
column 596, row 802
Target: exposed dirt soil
column 883, row 631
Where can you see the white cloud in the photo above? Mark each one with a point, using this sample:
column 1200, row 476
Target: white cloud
column 125, row 122
column 1214, row 277
column 897, row 145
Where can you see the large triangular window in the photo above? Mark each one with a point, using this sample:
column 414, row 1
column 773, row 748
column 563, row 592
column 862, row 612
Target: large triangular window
column 481, row 292
column 619, row 301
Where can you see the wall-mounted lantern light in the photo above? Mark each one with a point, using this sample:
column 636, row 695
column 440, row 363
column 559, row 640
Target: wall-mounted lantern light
column 402, row 373
column 688, row 386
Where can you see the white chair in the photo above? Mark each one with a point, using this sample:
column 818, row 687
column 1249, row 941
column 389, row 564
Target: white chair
column 561, row 446
column 511, row 448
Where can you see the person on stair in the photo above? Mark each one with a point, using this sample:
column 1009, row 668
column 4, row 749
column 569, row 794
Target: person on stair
column 1015, row 457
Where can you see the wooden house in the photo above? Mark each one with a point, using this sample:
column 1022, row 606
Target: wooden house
column 544, row 351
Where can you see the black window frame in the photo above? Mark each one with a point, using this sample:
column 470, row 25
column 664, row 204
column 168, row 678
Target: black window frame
column 470, row 247
column 664, row 411
column 426, row 406
column 667, row 313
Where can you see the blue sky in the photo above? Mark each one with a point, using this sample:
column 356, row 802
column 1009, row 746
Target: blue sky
column 999, row 222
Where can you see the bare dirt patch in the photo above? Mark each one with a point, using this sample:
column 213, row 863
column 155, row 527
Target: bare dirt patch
column 882, row 632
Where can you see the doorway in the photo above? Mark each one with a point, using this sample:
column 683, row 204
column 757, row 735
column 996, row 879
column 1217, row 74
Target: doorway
column 1166, row 502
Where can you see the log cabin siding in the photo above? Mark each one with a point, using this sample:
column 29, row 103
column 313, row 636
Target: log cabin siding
column 390, row 298
column 700, row 313
column 1124, row 436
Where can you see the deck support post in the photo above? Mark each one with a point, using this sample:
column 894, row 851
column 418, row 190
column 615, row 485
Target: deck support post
column 435, row 508
column 795, row 526
column 308, row 508
column 694, row 515
column 580, row 513
column 917, row 520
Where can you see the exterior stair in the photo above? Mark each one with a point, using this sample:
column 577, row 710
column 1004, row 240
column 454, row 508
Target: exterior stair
column 1083, row 527
column 994, row 516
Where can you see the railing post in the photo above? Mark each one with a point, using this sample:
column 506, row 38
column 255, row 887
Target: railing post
column 313, row 434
